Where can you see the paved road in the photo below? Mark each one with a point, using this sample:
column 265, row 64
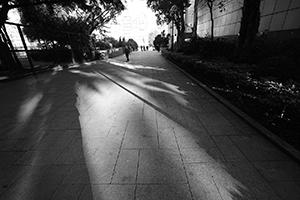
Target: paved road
column 137, row 130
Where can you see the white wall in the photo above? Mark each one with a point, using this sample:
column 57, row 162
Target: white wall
column 276, row 15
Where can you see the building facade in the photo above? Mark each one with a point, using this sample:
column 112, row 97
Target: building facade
column 279, row 17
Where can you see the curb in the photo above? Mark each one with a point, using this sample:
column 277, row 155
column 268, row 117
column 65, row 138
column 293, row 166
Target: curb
column 285, row 147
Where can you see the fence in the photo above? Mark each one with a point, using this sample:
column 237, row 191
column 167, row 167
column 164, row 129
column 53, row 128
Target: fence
column 38, row 48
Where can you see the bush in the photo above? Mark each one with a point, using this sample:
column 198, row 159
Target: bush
column 56, row 54
column 206, row 48
column 59, row 54
column 261, row 49
column 103, row 45
column 281, row 67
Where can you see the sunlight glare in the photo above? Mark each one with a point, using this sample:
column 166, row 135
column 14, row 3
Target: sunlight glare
column 28, row 106
column 134, row 66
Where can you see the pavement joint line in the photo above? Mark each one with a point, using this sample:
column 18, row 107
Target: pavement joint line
column 136, row 177
column 274, row 139
column 183, row 164
column 119, row 152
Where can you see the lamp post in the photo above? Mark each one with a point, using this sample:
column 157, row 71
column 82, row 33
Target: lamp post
column 172, row 37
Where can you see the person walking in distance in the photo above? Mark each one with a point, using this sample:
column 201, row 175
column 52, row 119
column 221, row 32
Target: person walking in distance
column 127, row 52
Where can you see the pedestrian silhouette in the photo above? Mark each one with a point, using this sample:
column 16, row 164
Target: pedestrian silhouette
column 127, row 52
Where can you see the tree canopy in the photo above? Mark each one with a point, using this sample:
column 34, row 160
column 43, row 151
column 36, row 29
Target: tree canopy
column 83, row 18
column 6, row 5
column 170, row 11
column 132, row 44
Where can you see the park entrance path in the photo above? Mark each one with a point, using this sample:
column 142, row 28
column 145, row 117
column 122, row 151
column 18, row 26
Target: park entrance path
column 132, row 130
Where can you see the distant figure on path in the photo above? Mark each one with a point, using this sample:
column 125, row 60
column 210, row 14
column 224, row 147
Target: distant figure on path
column 127, row 52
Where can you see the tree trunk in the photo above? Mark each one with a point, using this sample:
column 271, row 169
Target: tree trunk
column 210, row 6
column 180, row 29
column 249, row 22
column 194, row 34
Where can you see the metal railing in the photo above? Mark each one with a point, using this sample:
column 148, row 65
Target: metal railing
column 45, row 47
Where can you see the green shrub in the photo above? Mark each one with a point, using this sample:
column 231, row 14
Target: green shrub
column 56, row 54
column 206, row 48
column 291, row 49
column 281, row 67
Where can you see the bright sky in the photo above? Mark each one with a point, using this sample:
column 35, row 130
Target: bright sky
column 136, row 8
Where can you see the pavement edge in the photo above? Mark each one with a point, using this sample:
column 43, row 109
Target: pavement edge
column 288, row 149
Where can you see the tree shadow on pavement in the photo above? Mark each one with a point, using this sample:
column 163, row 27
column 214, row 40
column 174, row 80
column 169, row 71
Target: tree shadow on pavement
column 42, row 151
column 177, row 107
column 99, row 131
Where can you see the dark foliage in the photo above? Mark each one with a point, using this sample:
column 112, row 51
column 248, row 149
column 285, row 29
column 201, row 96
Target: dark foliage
column 274, row 102
column 132, row 43
column 206, row 48
column 58, row 55
column 281, row 67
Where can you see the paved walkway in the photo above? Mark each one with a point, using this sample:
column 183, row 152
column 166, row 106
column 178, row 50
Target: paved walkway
column 137, row 130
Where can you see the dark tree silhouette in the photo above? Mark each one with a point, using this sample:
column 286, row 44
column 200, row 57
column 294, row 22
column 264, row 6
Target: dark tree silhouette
column 168, row 11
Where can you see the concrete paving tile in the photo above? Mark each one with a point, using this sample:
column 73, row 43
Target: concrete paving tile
column 163, row 121
column 6, row 130
column 68, row 191
column 148, row 112
column 55, row 140
column 20, row 132
column 93, row 144
column 140, row 143
column 90, row 173
column 117, row 130
column 141, row 129
column 222, row 130
column 286, row 190
column 228, row 149
column 175, row 113
column 59, row 124
column 8, row 175
column 101, row 156
column 128, row 116
column 107, row 192
column 38, row 157
column 195, row 155
column 163, row 192
column 72, row 154
column 96, row 129
column 278, row 170
column 10, row 144
column 221, row 108
column 197, row 138
column 126, row 168
column 202, row 183
column 83, row 120
column 256, row 148
column 75, row 125
column 160, row 166
column 241, row 180
column 191, row 119
column 244, row 128
column 213, row 119
column 207, row 107
column 297, row 183
column 38, row 182
column 10, row 157
column 193, row 105
column 166, row 138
